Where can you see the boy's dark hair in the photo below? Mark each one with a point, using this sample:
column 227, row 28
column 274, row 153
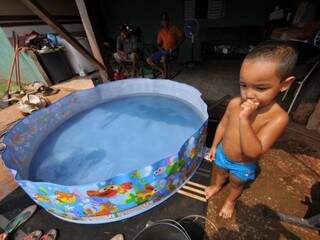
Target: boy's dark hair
column 279, row 51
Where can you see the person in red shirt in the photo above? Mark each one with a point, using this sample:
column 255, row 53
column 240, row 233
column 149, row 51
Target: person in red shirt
column 169, row 39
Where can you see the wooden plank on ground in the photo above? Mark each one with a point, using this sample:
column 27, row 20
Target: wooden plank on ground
column 191, row 195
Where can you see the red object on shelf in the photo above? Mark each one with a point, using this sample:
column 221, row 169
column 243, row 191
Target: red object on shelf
column 118, row 75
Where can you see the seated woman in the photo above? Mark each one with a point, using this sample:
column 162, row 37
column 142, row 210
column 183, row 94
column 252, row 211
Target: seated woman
column 127, row 50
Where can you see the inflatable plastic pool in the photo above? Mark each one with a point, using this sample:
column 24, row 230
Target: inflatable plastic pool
column 111, row 152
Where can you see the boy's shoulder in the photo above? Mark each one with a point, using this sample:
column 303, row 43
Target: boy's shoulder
column 234, row 102
column 277, row 113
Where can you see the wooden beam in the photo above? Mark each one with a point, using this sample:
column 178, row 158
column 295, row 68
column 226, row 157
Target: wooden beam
column 89, row 30
column 91, row 35
column 88, row 13
column 59, row 29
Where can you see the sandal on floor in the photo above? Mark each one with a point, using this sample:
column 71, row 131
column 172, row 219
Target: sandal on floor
column 38, row 87
column 47, row 91
column 20, row 219
column 35, row 235
column 50, row 235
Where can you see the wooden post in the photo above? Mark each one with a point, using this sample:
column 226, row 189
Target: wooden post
column 59, row 29
column 93, row 31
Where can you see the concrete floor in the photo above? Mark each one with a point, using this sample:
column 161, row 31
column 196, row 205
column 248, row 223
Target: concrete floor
column 214, row 78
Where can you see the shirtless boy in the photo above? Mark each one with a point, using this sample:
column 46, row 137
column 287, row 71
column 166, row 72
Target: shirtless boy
column 253, row 121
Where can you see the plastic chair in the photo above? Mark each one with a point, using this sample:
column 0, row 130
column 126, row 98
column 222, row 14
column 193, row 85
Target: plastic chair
column 169, row 63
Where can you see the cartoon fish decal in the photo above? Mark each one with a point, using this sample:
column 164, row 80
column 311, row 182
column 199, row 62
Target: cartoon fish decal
column 142, row 195
column 100, row 210
column 136, row 174
column 175, row 166
column 172, row 183
column 193, row 152
column 145, row 194
column 110, row 190
column 64, row 197
column 32, row 130
column 41, row 198
column 17, row 138
column 159, row 171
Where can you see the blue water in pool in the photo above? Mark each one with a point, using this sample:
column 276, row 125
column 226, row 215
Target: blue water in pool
column 115, row 137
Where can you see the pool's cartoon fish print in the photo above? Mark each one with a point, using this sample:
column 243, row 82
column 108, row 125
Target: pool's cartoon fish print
column 110, row 190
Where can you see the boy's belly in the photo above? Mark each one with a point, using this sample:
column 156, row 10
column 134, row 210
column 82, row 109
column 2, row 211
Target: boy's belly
column 232, row 148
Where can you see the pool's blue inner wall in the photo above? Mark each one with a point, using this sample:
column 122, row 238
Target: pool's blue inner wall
column 114, row 138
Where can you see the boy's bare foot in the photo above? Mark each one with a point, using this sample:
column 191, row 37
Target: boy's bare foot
column 227, row 209
column 3, row 236
column 118, row 237
column 211, row 190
